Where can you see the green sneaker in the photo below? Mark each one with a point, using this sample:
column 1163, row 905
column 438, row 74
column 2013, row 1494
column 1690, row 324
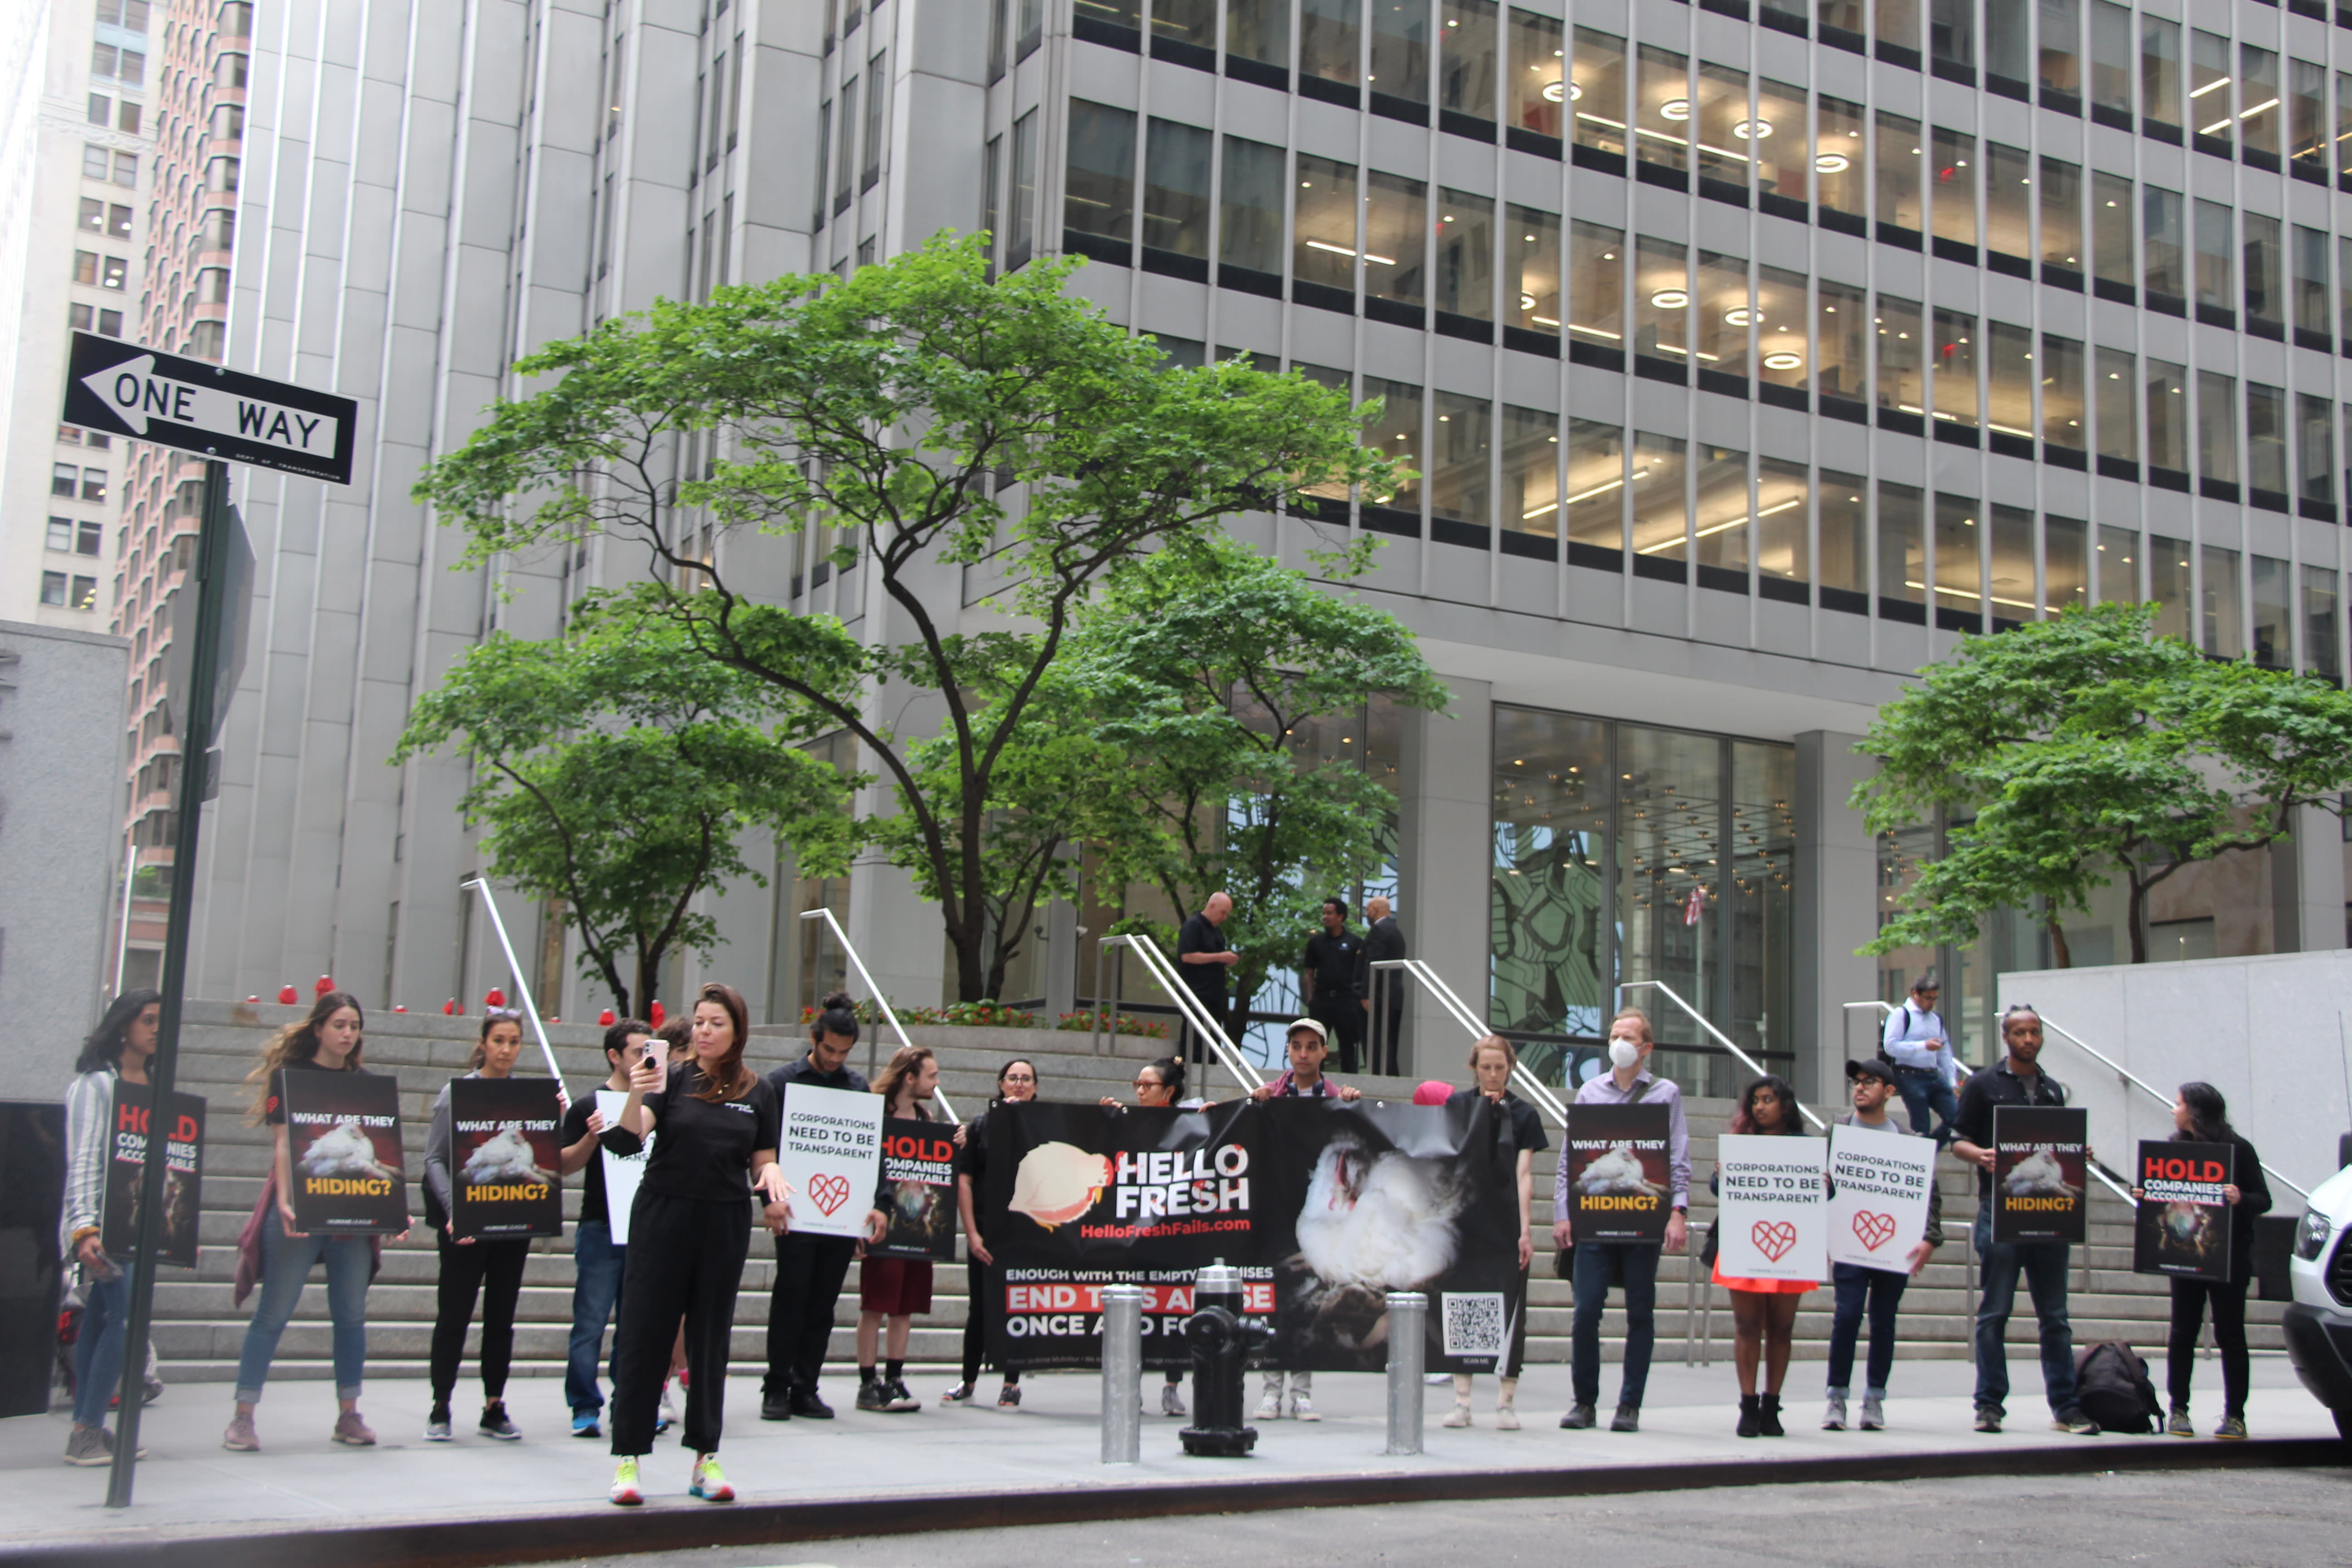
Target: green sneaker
column 710, row 1481
column 2180, row 1426
column 624, row 1485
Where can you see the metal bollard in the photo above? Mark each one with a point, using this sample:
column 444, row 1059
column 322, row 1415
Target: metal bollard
column 1408, row 1331
column 1122, row 1375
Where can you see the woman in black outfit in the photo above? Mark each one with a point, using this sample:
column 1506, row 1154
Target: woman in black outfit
column 2200, row 1115
column 471, row 1268
column 718, row 1125
column 1016, row 1080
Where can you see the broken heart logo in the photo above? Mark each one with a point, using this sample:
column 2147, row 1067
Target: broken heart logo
column 1773, row 1238
column 1874, row 1230
column 828, row 1193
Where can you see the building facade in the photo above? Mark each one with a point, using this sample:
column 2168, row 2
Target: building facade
column 1748, row 356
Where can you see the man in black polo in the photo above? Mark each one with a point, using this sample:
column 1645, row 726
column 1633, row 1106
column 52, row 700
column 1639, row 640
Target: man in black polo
column 1203, row 959
column 809, row 1268
column 2016, row 1079
column 1329, row 972
column 1383, row 990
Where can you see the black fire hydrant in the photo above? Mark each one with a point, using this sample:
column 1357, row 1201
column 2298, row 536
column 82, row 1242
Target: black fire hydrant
column 1222, row 1341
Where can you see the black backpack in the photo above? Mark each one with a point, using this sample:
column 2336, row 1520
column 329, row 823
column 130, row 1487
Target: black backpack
column 2112, row 1384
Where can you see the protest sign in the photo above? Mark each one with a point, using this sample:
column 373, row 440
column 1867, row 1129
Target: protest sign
column 622, row 1172
column 832, row 1154
column 2040, row 1155
column 343, row 1133
column 505, row 1164
column 919, row 1191
column 1771, row 1213
column 1879, row 1186
column 2181, row 1227
column 1618, row 1184
column 126, row 1164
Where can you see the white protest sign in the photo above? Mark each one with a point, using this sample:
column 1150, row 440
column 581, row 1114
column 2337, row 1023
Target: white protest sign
column 832, row 1154
column 1878, row 1207
column 1772, row 1221
column 622, row 1172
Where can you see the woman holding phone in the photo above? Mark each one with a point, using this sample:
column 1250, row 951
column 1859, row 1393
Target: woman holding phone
column 471, row 1268
column 718, row 1125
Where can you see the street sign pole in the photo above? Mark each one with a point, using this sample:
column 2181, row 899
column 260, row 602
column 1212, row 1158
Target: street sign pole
column 195, row 751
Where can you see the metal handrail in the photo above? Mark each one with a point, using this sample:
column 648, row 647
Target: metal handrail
column 824, row 914
column 1752, row 1064
column 1164, row 972
column 1537, row 1091
column 523, row 987
column 2150, row 1089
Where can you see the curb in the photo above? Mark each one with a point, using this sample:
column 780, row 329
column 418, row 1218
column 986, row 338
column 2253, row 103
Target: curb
column 607, row 1531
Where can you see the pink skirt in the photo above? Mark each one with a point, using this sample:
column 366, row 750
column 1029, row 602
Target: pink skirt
column 1763, row 1287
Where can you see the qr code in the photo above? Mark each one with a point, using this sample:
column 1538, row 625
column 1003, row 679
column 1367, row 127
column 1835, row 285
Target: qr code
column 1473, row 1322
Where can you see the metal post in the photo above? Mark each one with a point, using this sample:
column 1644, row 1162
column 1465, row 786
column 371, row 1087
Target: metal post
column 840, row 936
column 523, row 987
column 123, row 938
column 1408, row 1339
column 1122, row 1375
column 163, row 1067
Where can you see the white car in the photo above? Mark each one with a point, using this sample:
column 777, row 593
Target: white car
column 2318, row 1321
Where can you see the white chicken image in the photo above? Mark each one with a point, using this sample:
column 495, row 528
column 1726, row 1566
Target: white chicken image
column 2038, row 1175
column 345, row 1150
column 1374, row 1221
column 1618, row 1172
column 505, row 1156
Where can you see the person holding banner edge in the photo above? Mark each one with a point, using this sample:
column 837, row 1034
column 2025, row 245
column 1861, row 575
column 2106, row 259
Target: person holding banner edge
column 116, row 1052
column 1160, row 1084
column 1307, row 1042
column 1491, row 1060
column 1630, row 1266
column 1016, row 1082
column 810, row 1269
column 596, row 1263
column 1878, row 1291
column 2200, row 1115
column 1763, row 1312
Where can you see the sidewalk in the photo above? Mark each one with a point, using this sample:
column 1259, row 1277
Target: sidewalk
column 1047, row 1453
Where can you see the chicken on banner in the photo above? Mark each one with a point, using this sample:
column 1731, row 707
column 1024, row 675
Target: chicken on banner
column 342, row 1135
column 2182, row 1225
column 831, row 1155
column 1879, row 1183
column 183, row 1166
column 1617, row 1182
column 506, row 1172
column 2040, row 1155
column 1771, row 1215
column 919, row 1191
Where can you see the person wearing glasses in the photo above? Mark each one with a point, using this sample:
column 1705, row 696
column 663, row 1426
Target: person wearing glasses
column 1159, row 1084
column 1016, row 1083
column 1920, row 1048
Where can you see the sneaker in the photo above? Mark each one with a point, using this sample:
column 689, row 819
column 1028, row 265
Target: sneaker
column 107, row 1437
column 1834, row 1418
column 239, row 1438
column 710, row 1481
column 873, row 1396
column 1459, row 1415
column 666, row 1413
column 772, row 1407
column 2232, row 1427
column 2178, row 1425
column 436, row 1425
column 151, row 1390
column 1873, row 1413
column 624, row 1484
column 1988, row 1418
column 1507, row 1418
column 495, row 1425
column 1627, row 1419
column 87, row 1447
column 1438, row 1379
column 1302, row 1408
column 1269, row 1408
column 1171, row 1400
column 587, row 1426
column 1009, row 1396
column 899, row 1398
column 1579, row 1418
column 961, row 1393
column 2076, row 1420
column 352, row 1432
column 809, row 1407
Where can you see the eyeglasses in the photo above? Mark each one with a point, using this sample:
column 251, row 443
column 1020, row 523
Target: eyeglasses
column 1017, row 1077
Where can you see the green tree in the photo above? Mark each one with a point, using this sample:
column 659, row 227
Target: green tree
column 2071, row 752
column 616, row 770
column 883, row 415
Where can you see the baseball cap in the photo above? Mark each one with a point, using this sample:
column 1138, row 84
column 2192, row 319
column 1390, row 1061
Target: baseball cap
column 1870, row 1066
column 1314, row 1024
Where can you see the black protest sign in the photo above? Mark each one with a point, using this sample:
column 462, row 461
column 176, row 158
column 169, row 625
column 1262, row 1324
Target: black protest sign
column 1619, row 1177
column 2181, row 1227
column 504, row 1168
column 2040, row 1158
column 919, row 1191
column 342, row 1133
column 126, row 1164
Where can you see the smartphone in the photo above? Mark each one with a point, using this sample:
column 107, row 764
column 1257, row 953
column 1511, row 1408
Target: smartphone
column 656, row 1051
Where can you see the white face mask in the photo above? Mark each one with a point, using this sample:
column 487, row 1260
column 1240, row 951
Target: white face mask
column 1623, row 1053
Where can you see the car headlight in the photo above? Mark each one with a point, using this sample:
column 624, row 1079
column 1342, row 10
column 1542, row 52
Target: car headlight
column 2311, row 1236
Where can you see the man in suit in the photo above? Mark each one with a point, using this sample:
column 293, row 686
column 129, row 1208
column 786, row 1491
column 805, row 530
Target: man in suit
column 1383, row 990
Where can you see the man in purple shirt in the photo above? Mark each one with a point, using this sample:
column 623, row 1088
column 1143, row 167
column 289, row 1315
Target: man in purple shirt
column 1631, row 1265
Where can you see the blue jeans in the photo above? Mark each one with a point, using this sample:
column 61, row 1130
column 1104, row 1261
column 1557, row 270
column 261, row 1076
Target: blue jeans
column 1880, row 1291
column 596, row 1292
column 286, row 1263
column 98, row 1351
column 1926, row 1089
column 1633, row 1265
column 2043, row 1264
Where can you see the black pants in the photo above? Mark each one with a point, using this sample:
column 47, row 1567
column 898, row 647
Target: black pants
column 1342, row 1012
column 2189, row 1299
column 809, row 1272
column 685, row 1261
column 982, row 1286
column 1197, row 1050
column 493, row 1270
column 1381, row 1028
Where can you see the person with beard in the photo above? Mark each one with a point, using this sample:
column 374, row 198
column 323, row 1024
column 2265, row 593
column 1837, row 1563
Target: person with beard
column 1491, row 1060
column 810, row 1269
column 2200, row 1115
column 1016, row 1082
column 116, row 1052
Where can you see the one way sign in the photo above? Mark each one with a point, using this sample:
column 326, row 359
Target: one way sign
column 127, row 390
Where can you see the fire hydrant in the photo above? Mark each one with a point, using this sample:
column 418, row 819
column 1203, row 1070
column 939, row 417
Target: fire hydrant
column 1222, row 1340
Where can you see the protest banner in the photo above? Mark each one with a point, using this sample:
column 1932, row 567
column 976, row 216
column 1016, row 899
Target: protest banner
column 342, row 1133
column 126, row 1162
column 506, row 1171
column 2040, row 1155
column 622, row 1172
column 1771, row 1212
column 2181, row 1227
column 832, row 1154
column 1619, row 1185
column 919, row 1190
column 1879, row 1186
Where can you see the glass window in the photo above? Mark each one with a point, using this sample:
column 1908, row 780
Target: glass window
column 1259, row 30
column 1725, row 128
column 2118, row 418
column 877, row 98
column 2058, row 34
column 1846, row 532
column 1661, row 300
column 1249, row 231
column 1531, row 273
column 1191, row 22
column 2221, row 618
column 2217, row 429
column 2168, row 253
column 1332, row 39
column 2273, row 627
column 1597, row 88
column 1781, row 548
column 2260, row 111
column 1466, row 254
column 1896, row 169
column 2066, row 575
column 2119, row 566
column 2217, row 282
column 1844, row 329
column 1901, row 385
column 2064, row 417
column 2307, row 113
column 1780, row 327
column 2062, row 214
column 1663, row 107
column 1596, row 485
column 1323, row 247
column 1401, row 50
column 1395, row 431
column 1596, row 281
column 2310, row 313
column 2112, row 252
column 1896, row 22
column 2009, row 201
column 1467, row 57
column 1550, row 892
column 1839, row 166
column 2266, row 439
column 2009, row 586
column 1176, row 188
column 2209, row 84
column 1902, row 550
column 1101, row 197
column 2322, row 634
column 1459, row 483
column 1660, row 512
column 1020, row 218
column 2007, row 23
column 2315, row 450
column 1959, row 573
column 846, row 164
column 2167, row 585
column 1396, row 217
column 1530, row 471
column 2167, row 415
column 2265, row 276
column 1727, row 313
column 1955, row 182
column 1955, row 368
column 1720, row 512
column 2009, row 379
column 2159, row 72
column 1952, row 32
column 2111, row 52
column 2344, row 285
column 1539, row 58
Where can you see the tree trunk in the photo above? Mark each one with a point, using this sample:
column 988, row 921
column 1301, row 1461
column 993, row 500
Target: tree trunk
column 2058, row 948
column 972, row 963
column 2137, row 918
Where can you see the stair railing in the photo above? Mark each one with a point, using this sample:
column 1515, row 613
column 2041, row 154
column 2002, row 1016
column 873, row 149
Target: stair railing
column 872, row 1044
column 1721, row 1038
column 1187, row 1004
column 1537, row 1092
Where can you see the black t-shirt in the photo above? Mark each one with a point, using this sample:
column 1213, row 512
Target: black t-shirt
column 702, row 1151
column 273, row 1110
column 1199, row 934
column 972, row 1160
column 1995, row 1086
column 592, row 1207
column 800, row 1069
column 1332, row 961
column 1526, row 1127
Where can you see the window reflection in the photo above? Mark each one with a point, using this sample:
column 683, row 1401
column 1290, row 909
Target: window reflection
column 1323, row 237
column 1596, row 92
column 1780, row 348
column 1900, row 382
column 1596, row 282
column 1776, row 140
column 1782, row 489
column 1530, row 471
column 1844, row 327
column 1595, row 501
column 1895, row 170
column 1727, row 314
column 1839, row 167
column 1396, row 217
column 2066, row 571
column 1720, row 515
column 1660, row 514
column 1536, row 92
column 2062, row 415
column 1531, row 270
column 1662, row 110
column 1465, row 255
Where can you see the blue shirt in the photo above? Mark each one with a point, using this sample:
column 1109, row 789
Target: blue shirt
column 1917, row 1038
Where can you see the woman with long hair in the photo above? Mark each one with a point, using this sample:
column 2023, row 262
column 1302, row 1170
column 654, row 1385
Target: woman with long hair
column 115, row 1053
column 327, row 1040
column 1016, row 1082
column 471, row 1266
column 2200, row 1115
column 1492, row 1061
column 891, row 1290
column 1159, row 1086
column 1763, row 1312
column 717, row 1127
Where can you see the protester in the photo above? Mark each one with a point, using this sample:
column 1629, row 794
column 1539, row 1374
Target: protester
column 278, row 1256
column 1383, row 990
column 2016, row 1079
column 1763, row 1312
column 1632, row 1266
column 493, row 1269
column 1016, row 1082
column 1878, row 1290
column 1203, row 961
column 117, row 1051
column 1491, row 1062
column 892, row 1290
column 2200, row 1115
column 809, row 1268
column 1160, row 1084
column 715, row 1126
column 596, row 1263
column 1302, row 1079
column 1920, row 1048
column 1328, row 972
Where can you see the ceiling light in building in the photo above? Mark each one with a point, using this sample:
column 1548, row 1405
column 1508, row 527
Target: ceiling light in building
column 1738, row 316
column 1783, row 361
column 1752, row 130
column 1832, row 164
column 1670, row 298
column 1527, row 302
column 1675, row 109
